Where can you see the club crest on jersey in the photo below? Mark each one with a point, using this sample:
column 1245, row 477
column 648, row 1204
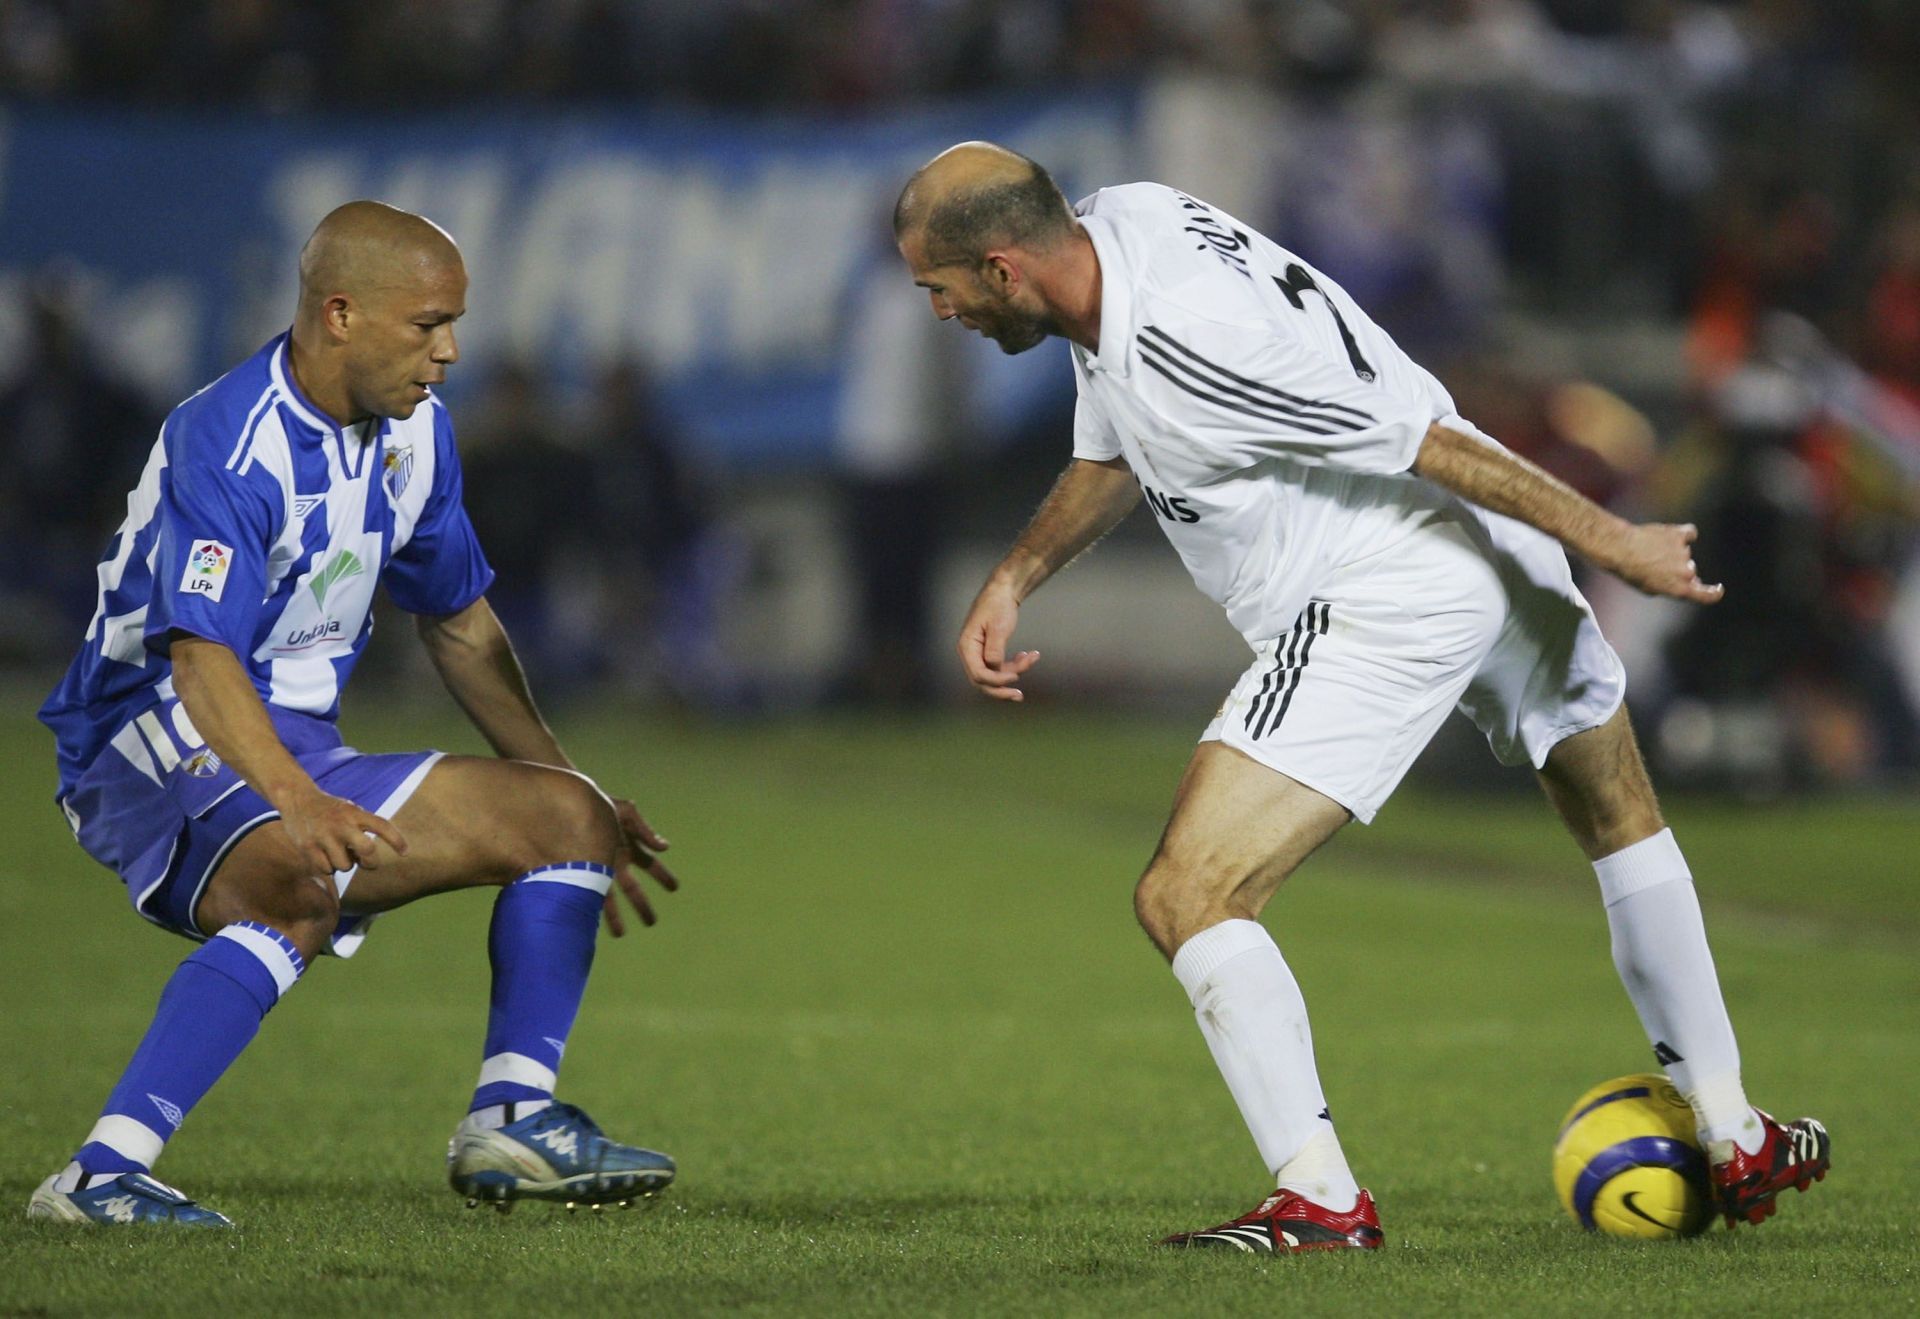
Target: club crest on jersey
column 396, row 467
column 206, row 571
column 202, row 764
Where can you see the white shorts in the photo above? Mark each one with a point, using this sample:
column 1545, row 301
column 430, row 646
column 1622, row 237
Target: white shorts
column 1473, row 610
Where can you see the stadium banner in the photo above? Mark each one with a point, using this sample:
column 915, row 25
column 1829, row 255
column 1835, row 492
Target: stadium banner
column 725, row 253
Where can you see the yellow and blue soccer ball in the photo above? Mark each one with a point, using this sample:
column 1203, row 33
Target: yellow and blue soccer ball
column 1628, row 1162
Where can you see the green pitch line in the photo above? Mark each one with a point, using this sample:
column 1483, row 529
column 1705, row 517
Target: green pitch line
column 913, row 1057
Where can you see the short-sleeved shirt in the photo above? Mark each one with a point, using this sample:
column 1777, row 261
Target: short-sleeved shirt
column 263, row 525
column 1270, row 422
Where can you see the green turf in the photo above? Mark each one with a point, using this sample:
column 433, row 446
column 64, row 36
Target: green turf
column 914, row 1058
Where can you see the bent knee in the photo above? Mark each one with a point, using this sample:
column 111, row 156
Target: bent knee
column 1179, row 897
column 1169, row 904
column 304, row 908
column 568, row 819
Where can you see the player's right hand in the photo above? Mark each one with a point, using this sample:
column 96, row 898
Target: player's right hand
column 1657, row 558
column 332, row 834
column 983, row 645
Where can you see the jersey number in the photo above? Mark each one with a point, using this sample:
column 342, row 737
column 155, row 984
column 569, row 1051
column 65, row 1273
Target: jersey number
column 1298, row 281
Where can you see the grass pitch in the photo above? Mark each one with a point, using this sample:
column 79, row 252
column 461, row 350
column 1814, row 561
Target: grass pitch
column 913, row 1056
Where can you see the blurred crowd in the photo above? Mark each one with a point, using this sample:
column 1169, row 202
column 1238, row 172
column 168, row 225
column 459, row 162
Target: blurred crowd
column 871, row 53
column 1732, row 190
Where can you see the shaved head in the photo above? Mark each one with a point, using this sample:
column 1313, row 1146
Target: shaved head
column 977, row 196
column 380, row 289
column 366, row 248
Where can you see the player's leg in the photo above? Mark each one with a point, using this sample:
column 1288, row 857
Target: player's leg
column 1596, row 781
column 1237, row 831
column 1600, row 786
column 1320, row 729
column 1551, row 692
column 267, row 916
column 209, row 1011
column 550, row 841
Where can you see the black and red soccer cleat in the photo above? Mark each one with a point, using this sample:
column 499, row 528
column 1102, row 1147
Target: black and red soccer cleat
column 1795, row 1154
column 1289, row 1224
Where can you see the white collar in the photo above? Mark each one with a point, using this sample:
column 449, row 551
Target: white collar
column 1116, row 298
column 280, row 366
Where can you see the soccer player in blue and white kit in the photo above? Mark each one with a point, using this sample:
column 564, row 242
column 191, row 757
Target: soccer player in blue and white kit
column 200, row 759
column 1387, row 563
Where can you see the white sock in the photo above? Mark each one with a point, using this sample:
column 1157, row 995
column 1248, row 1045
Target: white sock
column 1660, row 950
column 1320, row 1173
column 1255, row 1022
column 495, row 1116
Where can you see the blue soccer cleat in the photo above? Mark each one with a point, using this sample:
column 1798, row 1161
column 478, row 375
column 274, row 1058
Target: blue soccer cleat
column 559, row 1154
column 131, row 1197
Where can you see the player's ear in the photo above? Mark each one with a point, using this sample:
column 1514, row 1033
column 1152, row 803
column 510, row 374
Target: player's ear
column 1001, row 274
column 336, row 313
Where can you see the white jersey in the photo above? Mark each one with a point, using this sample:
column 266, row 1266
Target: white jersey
column 1270, row 422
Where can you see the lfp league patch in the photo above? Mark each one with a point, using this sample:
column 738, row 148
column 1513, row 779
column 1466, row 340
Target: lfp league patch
column 207, row 564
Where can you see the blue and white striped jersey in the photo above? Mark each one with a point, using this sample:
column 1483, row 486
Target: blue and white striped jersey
column 260, row 524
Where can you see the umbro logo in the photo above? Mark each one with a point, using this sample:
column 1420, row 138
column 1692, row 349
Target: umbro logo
column 559, row 1046
column 305, row 504
column 168, row 1110
column 1666, row 1055
column 564, row 1143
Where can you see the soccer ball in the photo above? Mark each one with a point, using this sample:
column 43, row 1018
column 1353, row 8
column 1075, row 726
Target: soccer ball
column 1629, row 1164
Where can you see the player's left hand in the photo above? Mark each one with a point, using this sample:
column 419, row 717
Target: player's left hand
column 1657, row 557
column 639, row 844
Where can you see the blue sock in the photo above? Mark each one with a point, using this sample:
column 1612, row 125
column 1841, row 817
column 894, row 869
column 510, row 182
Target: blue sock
column 541, row 944
column 210, row 1010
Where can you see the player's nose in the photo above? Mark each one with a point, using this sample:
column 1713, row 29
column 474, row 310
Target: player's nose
column 447, row 350
column 941, row 307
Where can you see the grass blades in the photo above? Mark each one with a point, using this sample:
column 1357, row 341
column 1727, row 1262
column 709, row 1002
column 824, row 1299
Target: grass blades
column 913, row 1056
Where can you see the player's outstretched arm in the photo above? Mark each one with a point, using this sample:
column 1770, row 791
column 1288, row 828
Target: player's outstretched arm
column 1656, row 557
column 1084, row 504
column 331, row 832
column 474, row 657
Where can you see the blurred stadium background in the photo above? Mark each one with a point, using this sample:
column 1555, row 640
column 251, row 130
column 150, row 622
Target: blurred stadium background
column 724, row 458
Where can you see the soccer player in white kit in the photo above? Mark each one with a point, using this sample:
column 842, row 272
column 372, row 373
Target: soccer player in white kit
column 1387, row 562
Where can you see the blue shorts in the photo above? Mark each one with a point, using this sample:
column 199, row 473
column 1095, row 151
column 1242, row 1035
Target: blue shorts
column 161, row 810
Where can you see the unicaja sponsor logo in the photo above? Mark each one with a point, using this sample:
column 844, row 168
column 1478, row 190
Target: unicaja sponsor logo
column 306, row 636
column 344, row 564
